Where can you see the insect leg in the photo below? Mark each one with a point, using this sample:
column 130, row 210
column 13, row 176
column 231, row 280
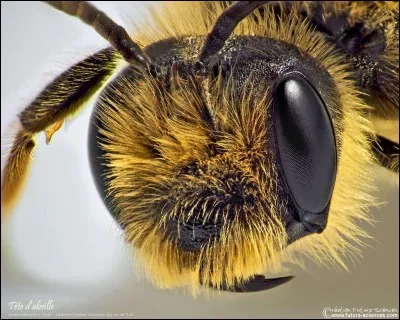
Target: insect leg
column 387, row 153
column 60, row 99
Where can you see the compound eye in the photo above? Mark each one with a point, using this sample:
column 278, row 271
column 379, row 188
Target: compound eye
column 305, row 143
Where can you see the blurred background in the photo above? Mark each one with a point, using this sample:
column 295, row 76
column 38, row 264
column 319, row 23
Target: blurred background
column 62, row 245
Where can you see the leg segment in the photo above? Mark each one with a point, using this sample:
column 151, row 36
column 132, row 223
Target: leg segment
column 387, row 153
column 59, row 100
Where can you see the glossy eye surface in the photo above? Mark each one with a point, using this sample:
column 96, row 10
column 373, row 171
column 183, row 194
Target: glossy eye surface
column 305, row 143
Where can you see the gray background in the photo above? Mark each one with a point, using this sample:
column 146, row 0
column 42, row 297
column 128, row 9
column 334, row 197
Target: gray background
column 62, row 245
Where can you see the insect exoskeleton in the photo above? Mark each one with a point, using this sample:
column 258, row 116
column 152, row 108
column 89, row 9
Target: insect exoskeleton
column 213, row 178
column 235, row 139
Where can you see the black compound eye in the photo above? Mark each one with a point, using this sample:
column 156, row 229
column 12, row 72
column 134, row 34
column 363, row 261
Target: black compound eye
column 305, row 143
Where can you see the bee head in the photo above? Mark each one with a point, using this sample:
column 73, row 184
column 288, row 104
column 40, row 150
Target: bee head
column 213, row 178
column 219, row 169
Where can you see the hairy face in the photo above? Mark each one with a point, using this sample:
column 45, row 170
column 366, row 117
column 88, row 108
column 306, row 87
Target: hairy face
column 195, row 175
column 183, row 184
